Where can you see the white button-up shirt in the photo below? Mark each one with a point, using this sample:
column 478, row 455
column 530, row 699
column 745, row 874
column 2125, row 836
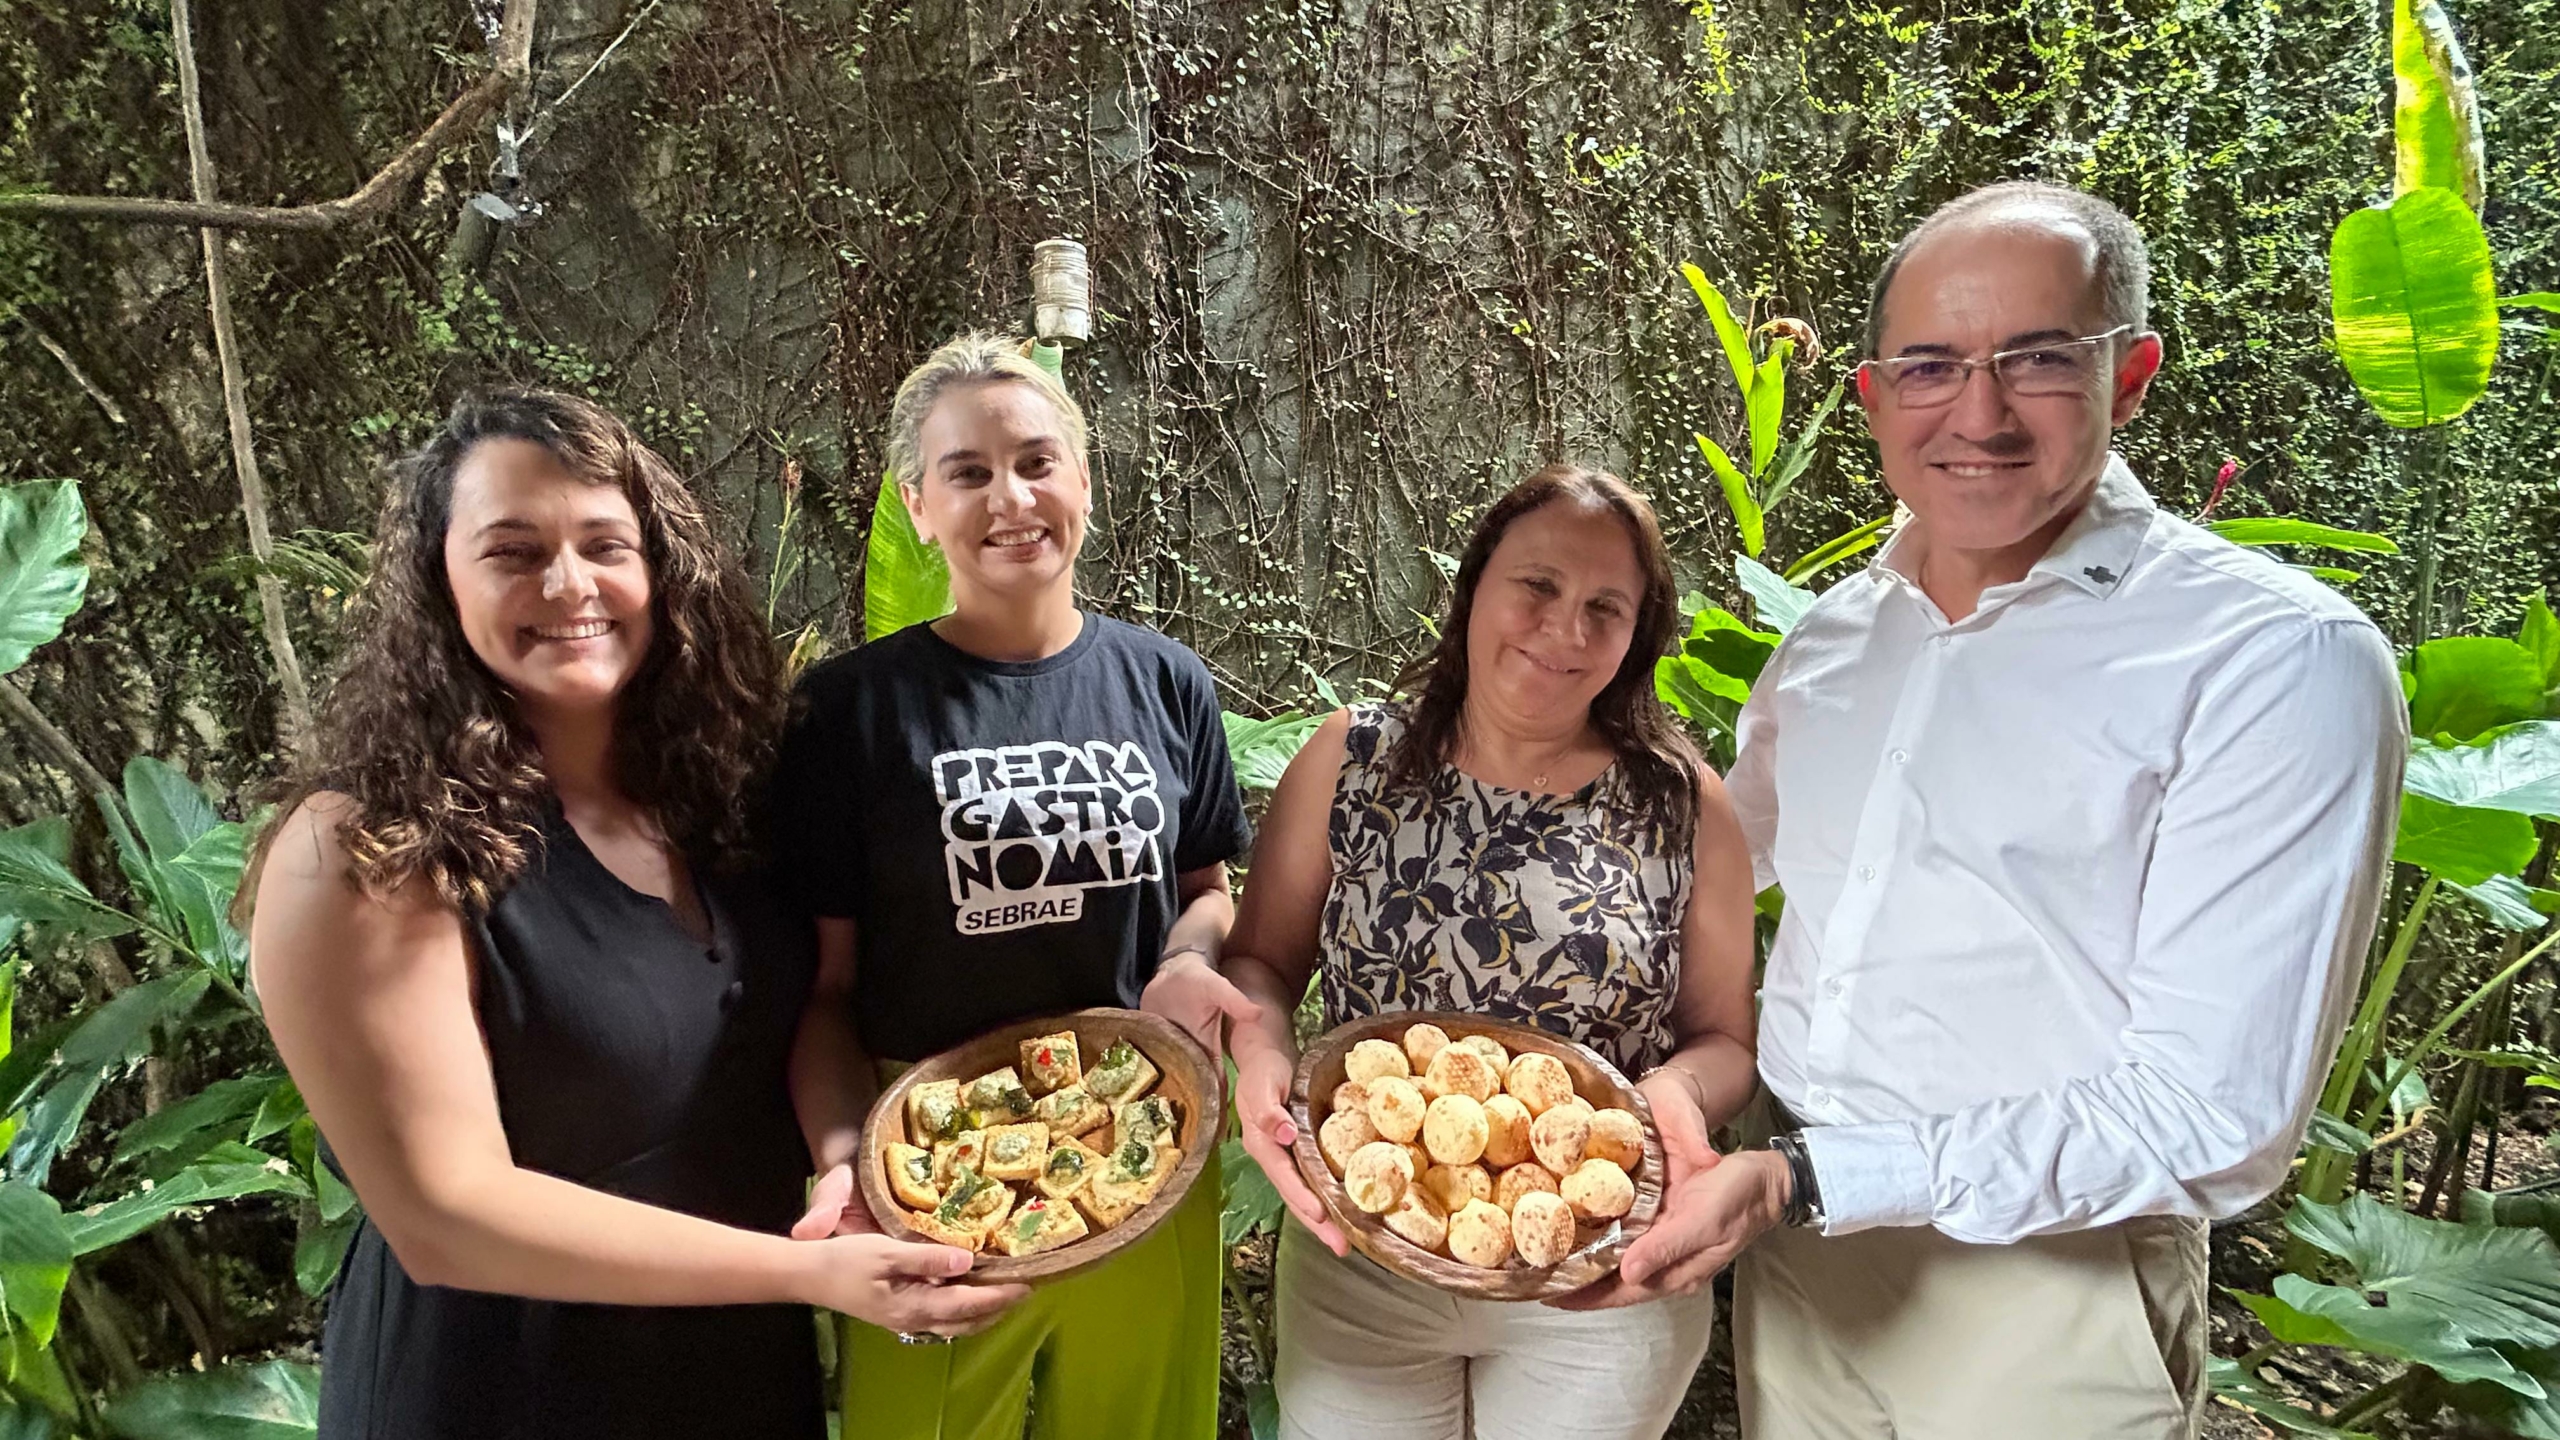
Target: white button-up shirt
column 2078, row 887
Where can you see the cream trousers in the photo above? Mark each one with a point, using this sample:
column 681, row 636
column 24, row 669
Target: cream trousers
column 1365, row 1355
column 1905, row 1334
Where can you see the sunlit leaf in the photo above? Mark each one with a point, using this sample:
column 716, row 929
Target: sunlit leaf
column 2276, row 530
column 1779, row 603
column 2464, row 845
column 35, row 1259
column 2514, row 768
column 2491, row 1284
column 2415, row 304
column 2468, row 685
column 42, row 578
column 272, row 1400
column 1767, row 405
column 1840, row 547
column 2509, row 901
column 904, row 580
column 1747, row 517
column 1729, row 332
column 1262, row 749
column 2435, row 114
column 1798, row 454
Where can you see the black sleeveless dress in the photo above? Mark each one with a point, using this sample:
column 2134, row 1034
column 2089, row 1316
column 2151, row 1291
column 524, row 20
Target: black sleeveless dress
column 632, row 1060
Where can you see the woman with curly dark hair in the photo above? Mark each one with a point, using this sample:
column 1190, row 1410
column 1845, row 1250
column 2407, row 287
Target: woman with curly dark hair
column 510, row 946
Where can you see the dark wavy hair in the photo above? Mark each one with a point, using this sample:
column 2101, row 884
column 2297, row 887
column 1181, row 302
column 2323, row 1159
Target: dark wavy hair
column 1658, row 767
column 445, row 776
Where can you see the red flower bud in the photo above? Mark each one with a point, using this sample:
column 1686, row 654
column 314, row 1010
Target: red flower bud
column 2221, row 482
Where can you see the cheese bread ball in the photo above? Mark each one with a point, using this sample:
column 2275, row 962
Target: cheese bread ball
column 1418, row 1218
column 1539, row 1081
column 1617, row 1136
column 1454, row 1185
column 1395, row 1107
column 1421, row 1158
column 1578, row 1103
column 1454, row 1130
column 1349, row 1095
column 1480, row 1235
column 1542, row 1228
column 1341, row 1136
column 1494, row 1055
column 1506, row 1132
column 1378, row 1175
column 1526, row 1178
column 1459, row 1070
column 1423, row 1041
column 1371, row 1059
column 1598, row 1190
column 1560, row 1138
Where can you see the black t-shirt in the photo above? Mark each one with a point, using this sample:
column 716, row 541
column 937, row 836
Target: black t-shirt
column 1005, row 836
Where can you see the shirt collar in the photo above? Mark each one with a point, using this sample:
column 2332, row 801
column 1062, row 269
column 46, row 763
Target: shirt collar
column 2093, row 552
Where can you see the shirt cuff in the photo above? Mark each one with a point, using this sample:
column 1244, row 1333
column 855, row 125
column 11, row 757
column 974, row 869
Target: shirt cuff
column 1870, row 1176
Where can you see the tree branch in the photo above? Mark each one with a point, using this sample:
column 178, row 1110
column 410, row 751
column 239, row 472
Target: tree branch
column 235, row 399
column 374, row 198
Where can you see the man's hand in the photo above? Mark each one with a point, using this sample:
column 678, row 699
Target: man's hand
column 1706, row 1221
column 836, row 1207
column 1190, row 992
column 1263, row 1076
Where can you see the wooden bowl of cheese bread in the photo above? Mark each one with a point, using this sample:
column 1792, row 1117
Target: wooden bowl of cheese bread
column 1482, row 1157
column 1045, row 1147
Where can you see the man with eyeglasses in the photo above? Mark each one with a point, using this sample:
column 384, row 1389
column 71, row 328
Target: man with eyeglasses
column 2082, row 815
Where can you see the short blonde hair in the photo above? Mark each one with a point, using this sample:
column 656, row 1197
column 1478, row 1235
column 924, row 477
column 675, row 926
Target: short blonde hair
column 976, row 358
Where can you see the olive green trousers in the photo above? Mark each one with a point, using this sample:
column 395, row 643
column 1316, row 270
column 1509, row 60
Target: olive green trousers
column 1125, row 1351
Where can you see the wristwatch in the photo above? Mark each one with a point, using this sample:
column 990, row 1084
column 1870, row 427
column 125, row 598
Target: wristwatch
column 1804, row 1193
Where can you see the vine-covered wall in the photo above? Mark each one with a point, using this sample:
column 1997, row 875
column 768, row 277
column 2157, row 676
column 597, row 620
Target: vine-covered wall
column 1359, row 265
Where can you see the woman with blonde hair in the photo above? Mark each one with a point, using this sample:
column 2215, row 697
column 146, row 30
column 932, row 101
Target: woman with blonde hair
column 1527, row 835
column 511, row 947
column 1018, row 809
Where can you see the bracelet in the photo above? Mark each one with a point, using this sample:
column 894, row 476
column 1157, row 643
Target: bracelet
column 1688, row 1082
column 1804, row 1193
column 1192, row 948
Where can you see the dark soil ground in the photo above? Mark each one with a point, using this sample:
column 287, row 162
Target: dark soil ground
column 2245, row 1255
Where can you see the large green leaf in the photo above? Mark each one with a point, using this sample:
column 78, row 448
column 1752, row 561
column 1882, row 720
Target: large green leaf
column 2468, row 685
column 220, row 1111
column 1729, row 332
column 2493, row 1285
column 2435, row 114
column 2304, row 1313
column 2415, row 304
column 42, row 578
column 1798, row 454
column 169, row 812
column 1767, row 405
column 273, row 1400
column 2540, row 636
column 1719, row 640
column 1779, row 603
column 2509, row 901
column 2276, row 530
column 36, row 884
column 35, row 1260
column 904, row 580
column 2538, row 300
column 8, row 1006
column 1249, row 1204
column 320, row 1250
column 56, row 1081
column 1262, row 749
column 228, row 1172
column 2516, row 768
column 1698, row 694
column 2530, row 1416
column 2464, row 845
column 1747, row 517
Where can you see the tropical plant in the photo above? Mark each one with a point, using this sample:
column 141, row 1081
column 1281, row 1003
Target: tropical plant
column 181, row 863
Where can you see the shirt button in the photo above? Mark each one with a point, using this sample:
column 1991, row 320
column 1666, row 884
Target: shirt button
column 1940, row 641
column 1818, row 1098
column 1834, row 988
column 1901, row 756
column 1866, row 872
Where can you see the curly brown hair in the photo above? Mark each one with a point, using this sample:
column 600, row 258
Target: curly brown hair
column 1660, row 768
column 445, row 776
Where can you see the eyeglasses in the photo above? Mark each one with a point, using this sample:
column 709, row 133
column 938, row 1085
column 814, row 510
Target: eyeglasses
column 1924, row 382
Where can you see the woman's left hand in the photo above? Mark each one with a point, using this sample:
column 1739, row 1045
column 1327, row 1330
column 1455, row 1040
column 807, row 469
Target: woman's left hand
column 1190, row 992
column 1686, row 1145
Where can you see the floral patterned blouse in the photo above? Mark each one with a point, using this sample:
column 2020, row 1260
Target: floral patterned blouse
column 1560, row 911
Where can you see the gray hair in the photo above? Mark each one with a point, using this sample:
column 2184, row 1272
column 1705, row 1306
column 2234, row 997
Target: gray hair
column 976, row 358
column 2122, row 268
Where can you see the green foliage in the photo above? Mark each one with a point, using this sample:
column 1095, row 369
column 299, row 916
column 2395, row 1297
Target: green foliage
column 2464, row 846
column 1262, row 749
column 2416, row 306
column 42, row 579
column 273, row 1400
column 905, row 580
column 2275, row 530
column 2469, row 685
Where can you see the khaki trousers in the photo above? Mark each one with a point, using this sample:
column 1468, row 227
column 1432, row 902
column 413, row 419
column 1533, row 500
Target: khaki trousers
column 1905, row 1334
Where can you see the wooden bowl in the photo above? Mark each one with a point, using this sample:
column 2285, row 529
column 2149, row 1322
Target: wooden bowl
column 1320, row 1069
column 1187, row 1076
